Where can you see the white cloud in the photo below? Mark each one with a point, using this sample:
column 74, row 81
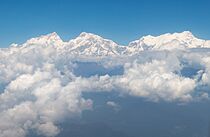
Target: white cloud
column 155, row 80
column 36, row 95
column 113, row 105
column 48, row 129
column 39, row 101
column 39, row 89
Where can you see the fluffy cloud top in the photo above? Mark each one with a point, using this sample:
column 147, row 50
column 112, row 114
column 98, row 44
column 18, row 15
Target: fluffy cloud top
column 38, row 87
column 155, row 80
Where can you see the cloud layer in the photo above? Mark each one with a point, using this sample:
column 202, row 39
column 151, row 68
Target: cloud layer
column 38, row 87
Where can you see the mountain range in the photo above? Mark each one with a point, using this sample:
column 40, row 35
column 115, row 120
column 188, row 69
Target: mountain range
column 88, row 44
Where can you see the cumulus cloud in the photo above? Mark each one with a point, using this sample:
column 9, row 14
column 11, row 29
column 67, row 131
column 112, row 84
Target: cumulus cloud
column 113, row 105
column 38, row 101
column 37, row 92
column 38, row 88
column 48, row 129
column 155, row 80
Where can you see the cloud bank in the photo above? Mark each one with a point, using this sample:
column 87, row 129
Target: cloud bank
column 38, row 87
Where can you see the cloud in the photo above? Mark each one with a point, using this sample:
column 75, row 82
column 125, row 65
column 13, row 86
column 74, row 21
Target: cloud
column 113, row 105
column 38, row 101
column 37, row 93
column 48, row 129
column 155, row 80
column 38, row 88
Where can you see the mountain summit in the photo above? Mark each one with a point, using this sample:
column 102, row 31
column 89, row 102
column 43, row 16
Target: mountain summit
column 88, row 44
column 169, row 41
column 45, row 40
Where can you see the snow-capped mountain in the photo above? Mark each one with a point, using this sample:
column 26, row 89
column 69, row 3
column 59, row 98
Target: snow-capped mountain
column 91, row 44
column 45, row 40
column 168, row 41
column 87, row 44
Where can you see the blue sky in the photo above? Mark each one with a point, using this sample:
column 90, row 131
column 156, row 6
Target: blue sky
column 119, row 20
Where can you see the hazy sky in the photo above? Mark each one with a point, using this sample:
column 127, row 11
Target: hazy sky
column 121, row 21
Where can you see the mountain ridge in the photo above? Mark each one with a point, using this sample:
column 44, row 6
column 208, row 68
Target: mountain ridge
column 89, row 44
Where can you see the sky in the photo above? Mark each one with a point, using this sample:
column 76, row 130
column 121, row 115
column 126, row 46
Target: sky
column 119, row 20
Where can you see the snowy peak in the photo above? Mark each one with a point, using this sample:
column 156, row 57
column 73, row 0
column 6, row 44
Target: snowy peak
column 87, row 39
column 88, row 44
column 185, row 34
column 91, row 44
column 168, row 41
column 89, row 35
column 90, row 39
column 49, row 39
